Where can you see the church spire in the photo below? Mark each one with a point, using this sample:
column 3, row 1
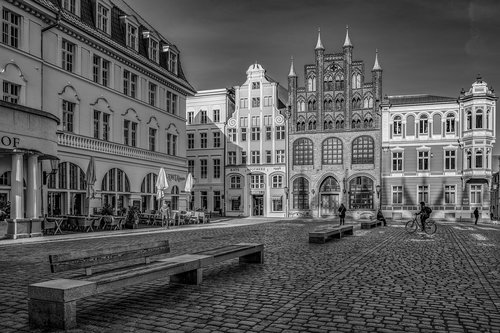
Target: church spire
column 292, row 69
column 347, row 39
column 319, row 45
column 376, row 66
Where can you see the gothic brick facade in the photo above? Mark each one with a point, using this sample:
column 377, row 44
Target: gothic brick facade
column 334, row 135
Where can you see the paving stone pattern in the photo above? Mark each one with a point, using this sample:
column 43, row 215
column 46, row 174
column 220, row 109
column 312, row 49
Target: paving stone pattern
column 379, row 280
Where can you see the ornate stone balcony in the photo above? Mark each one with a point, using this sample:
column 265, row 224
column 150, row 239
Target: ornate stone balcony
column 477, row 173
column 87, row 143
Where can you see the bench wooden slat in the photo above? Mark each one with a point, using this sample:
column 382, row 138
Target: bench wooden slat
column 91, row 258
column 224, row 250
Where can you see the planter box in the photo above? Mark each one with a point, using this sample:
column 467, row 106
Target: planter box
column 24, row 228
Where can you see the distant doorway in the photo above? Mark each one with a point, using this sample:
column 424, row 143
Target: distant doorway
column 329, row 196
column 258, row 205
column 329, row 204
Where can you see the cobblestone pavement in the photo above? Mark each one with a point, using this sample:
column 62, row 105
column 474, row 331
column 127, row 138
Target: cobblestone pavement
column 379, row 280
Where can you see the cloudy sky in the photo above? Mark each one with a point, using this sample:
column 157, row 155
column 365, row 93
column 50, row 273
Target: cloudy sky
column 425, row 46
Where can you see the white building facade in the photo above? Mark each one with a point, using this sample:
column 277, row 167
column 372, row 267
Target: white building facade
column 102, row 83
column 256, row 178
column 439, row 150
column 207, row 115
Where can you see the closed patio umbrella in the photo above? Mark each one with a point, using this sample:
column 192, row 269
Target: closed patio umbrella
column 189, row 186
column 161, row 184
column 90, row 180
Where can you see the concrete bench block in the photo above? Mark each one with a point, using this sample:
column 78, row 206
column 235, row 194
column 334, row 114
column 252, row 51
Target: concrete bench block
column 53, row 303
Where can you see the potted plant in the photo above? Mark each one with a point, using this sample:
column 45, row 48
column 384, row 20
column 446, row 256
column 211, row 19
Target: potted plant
column 106, row 210
column 132, row 219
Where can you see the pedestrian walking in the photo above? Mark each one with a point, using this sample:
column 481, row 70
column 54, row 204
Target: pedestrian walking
column 165, row 214
column 342, row 211
column 476, row 214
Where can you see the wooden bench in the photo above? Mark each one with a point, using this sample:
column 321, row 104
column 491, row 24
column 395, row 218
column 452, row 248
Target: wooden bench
column 371, row 224
column 325, row 233
column 52, row 303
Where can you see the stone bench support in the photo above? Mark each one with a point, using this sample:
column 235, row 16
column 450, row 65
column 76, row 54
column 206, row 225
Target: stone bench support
column 323, row 234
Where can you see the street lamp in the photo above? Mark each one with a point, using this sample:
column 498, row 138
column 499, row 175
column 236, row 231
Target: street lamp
column 54, row 166
column 287, row 112
column 377, row 188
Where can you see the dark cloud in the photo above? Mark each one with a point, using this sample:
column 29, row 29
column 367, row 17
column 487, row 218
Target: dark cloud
column 425, row 46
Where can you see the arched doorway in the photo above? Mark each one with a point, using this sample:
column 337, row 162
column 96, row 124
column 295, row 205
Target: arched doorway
column 361, row 193
column 115, row 189
column 329, row 192
column 66, row 191
column 148, row 192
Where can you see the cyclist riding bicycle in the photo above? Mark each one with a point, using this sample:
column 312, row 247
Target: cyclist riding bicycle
column 424, row 213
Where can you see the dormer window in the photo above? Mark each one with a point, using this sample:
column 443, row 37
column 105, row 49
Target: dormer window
column 103, row 20
column 132, row 36
column 153, row 50
column 172, row 62
column 255, row 85
column 71, row 6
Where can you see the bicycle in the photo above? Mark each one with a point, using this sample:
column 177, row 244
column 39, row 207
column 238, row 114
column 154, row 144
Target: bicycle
column 413, row 224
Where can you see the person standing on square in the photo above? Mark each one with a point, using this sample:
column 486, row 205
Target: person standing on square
column 342, row 211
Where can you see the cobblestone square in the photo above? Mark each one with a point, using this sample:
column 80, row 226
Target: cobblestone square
column 379, row 280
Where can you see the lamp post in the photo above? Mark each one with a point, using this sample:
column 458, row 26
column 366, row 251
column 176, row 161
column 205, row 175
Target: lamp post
column 54, row 167
column 287, row 114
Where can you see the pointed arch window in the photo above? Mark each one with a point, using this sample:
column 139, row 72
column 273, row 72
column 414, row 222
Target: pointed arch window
column 339, row 81
column 356, row 103
column 356, row 123
column 330, row 184
column 339, row 123
column 368, row 102
column 368, row 122
column 311, row 83
column 328, row 83
column 300, row 193
column 301, row 126
column 328, row 104
column 311, row 125
column 339, row 103
column 356, row 81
